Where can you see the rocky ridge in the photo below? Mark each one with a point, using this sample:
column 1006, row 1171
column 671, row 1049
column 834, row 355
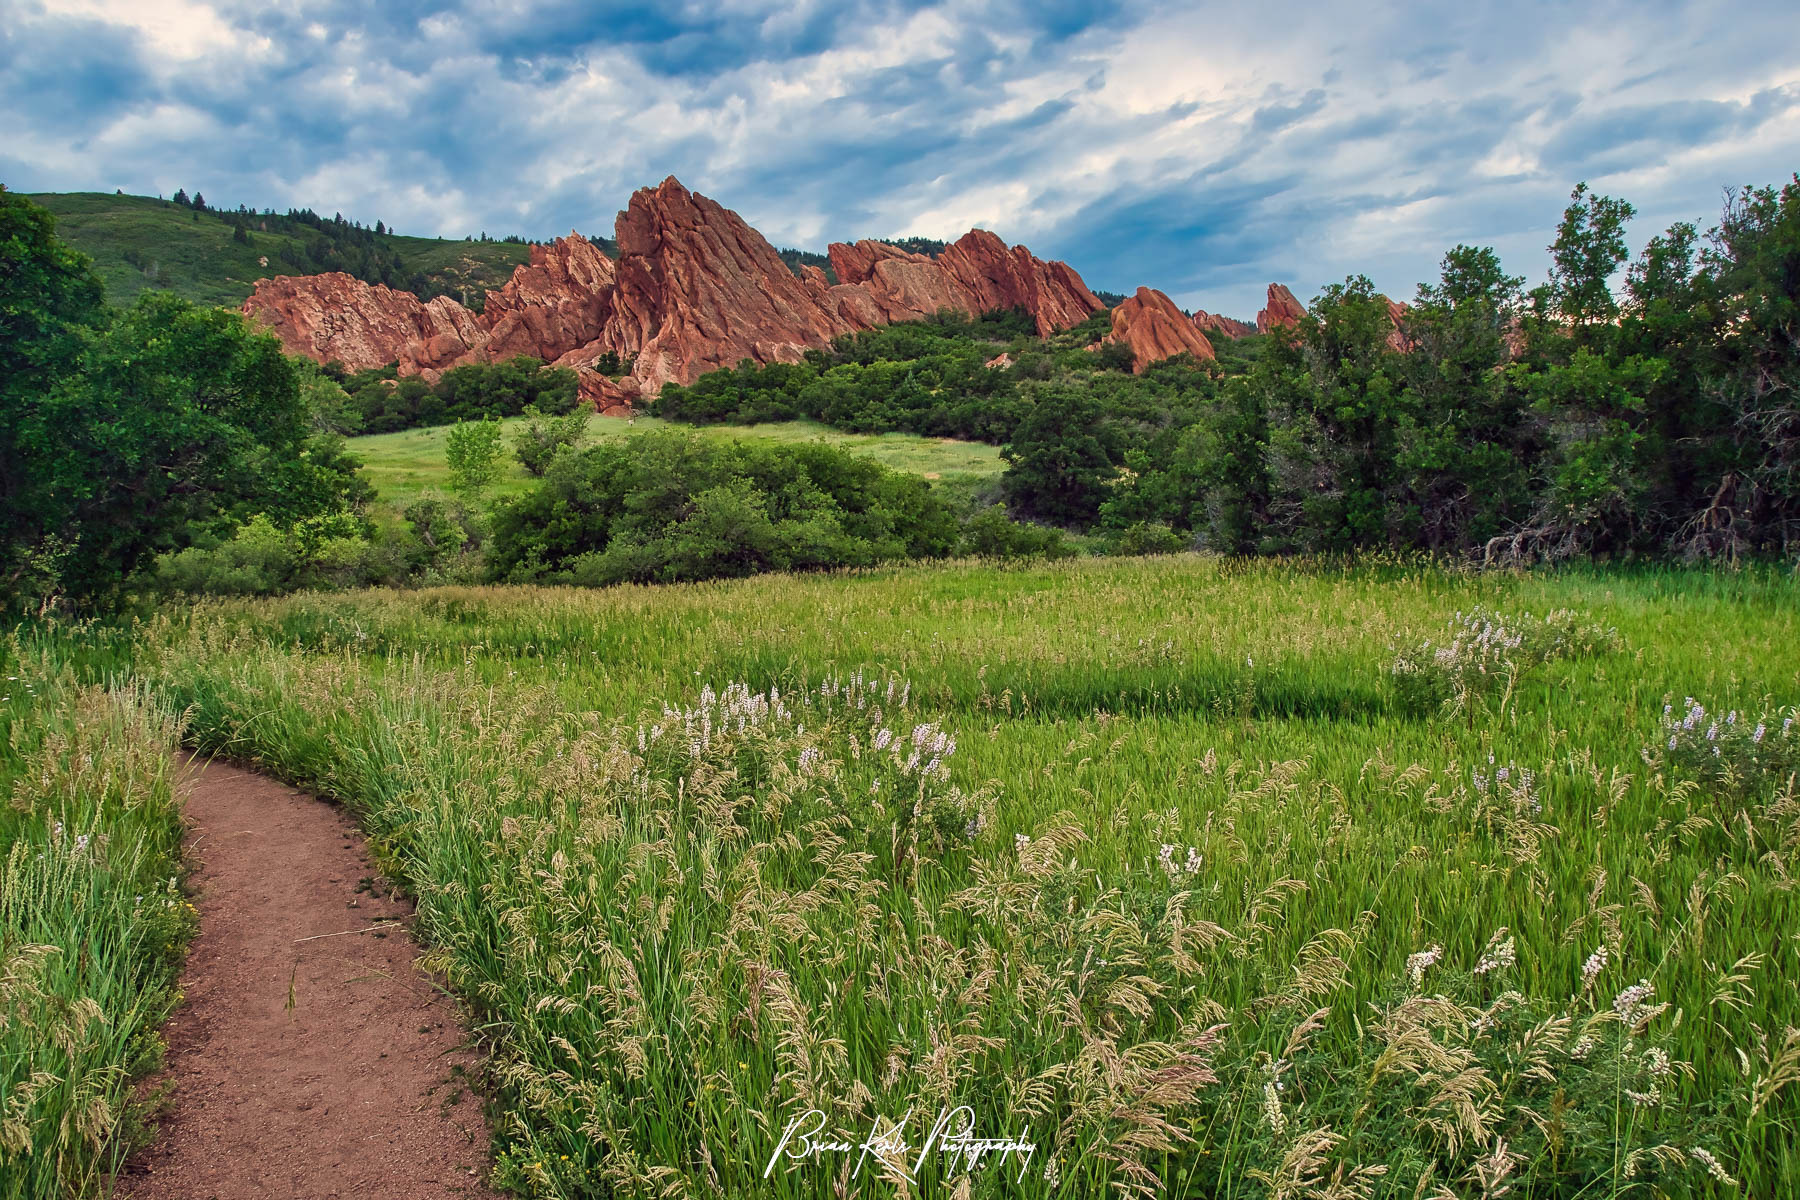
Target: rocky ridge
column 694, row 288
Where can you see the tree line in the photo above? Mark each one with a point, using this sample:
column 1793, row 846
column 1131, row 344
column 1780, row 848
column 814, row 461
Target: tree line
column 1622, row 406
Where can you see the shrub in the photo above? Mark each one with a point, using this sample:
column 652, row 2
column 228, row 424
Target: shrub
column 472, row 449
column 992, row 534
column 662, row 507
column 543, row 438
column 1150, row 537
column 1487, row 649
column 1736, row 753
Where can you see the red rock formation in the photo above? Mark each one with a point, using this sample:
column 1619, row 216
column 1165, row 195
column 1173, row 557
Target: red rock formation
column 335, row 317
column 699, row 289
column 879, row 284
column 1397, row 339
column 554, row 304
column 695, row 288
column 1213, row 324
column 997, row 277
column 1282, row 310
column 1155, row 329
column 977, row 274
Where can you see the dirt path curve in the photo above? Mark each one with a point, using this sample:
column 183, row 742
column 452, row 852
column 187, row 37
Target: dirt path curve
column 327, row 1067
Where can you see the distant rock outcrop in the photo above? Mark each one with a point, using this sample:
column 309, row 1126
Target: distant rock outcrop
column 1155, row 329
column 1282, row 310
column 1397, row 339
column 699, row 289
column 336, row 317
column 694, row 288
column 977, row 274
column 1214, row 325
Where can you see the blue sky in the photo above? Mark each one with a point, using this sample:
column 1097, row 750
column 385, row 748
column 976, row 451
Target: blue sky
column 1203, row 149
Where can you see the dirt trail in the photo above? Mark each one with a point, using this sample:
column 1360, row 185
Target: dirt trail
column 304, row 1068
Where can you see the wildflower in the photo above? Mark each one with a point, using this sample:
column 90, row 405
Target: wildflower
column 1583, row 1047
column 1590, row 970
column 1629, row 1004
column 1757, row 737
column 1498, row 956
column 1424, row 960
column 1192, row 867
column 1657, row 1064
column 1649, row 1099
column 1272, row 1109
column 1020, row 841
column 1052, row 1173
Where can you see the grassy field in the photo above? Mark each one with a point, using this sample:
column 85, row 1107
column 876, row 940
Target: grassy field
column 1157, row 864
column 402, row 465
column 193, row 255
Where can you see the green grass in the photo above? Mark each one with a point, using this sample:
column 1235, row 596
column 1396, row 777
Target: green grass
column 193, row 255
column 92, row 922
column 402, row 465
column 681, row 925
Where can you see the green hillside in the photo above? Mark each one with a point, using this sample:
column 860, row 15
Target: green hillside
column 140, row 242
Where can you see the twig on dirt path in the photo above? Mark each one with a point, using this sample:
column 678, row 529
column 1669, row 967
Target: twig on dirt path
column 342, row 933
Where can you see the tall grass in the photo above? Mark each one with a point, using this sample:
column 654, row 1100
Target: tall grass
column 1183, row 882
column 92, row 921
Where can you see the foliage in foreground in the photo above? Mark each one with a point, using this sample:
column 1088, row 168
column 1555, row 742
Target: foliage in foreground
column 92, row 923
column 1147, row 860
column 127, row 435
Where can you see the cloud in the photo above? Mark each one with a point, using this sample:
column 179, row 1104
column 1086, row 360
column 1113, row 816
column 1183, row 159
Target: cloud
column 1204, row 150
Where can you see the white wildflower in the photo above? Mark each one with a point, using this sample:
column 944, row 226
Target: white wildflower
column 1424, row 960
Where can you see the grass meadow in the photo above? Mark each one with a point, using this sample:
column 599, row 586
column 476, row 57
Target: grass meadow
column 1208, row 879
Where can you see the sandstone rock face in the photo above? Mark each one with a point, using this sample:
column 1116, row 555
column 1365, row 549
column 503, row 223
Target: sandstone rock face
column 335, row 316
column 1214, row 325
column 699, row 289
column 1397, row 339
column 977, row 274
column 695, row 288
column 1155, row 329
column 556, row 303
column 1282, row 310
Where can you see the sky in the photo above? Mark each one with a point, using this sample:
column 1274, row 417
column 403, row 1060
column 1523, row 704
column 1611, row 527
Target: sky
column 1203, row 149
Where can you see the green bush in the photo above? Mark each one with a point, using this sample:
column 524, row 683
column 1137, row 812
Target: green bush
column 544, row 437
column 1150, row 537
column 992, row 534
column 661, row 507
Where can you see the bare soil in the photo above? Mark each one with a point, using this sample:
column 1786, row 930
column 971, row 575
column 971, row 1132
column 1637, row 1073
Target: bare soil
column 302, row 1065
